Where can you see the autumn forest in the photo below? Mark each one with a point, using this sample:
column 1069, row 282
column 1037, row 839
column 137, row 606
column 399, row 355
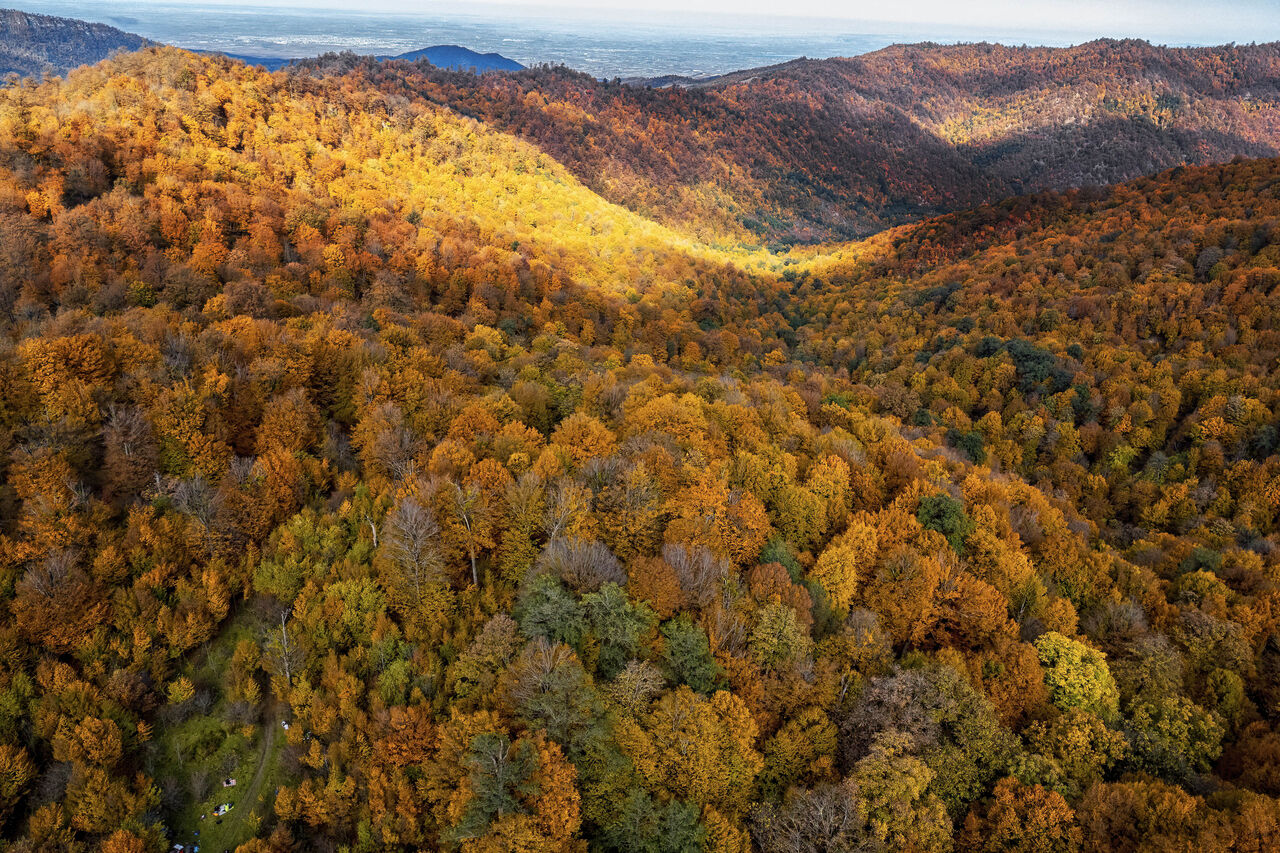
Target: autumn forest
column 852, row 456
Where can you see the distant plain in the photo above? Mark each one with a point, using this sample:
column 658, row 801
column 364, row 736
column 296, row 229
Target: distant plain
column 636, row 46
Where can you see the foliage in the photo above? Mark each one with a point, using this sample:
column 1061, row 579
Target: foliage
column 328, row 399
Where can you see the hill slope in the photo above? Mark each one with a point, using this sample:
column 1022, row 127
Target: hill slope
column 544, row 526
column 840, row 148
column 1121, row 345
column 31, row 45
column 1047, row 118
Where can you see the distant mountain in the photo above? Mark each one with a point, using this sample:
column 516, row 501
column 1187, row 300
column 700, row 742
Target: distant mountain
column 456, row 58
column 450, row 57
column 41, row 44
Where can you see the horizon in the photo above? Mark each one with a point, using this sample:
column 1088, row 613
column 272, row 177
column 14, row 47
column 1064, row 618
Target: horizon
column 1172, row 21
column 1040, row 24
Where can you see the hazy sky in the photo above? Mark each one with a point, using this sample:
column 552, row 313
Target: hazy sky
column 1181, row 21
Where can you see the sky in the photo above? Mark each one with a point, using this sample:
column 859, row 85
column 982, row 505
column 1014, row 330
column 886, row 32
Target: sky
column 1165, row 21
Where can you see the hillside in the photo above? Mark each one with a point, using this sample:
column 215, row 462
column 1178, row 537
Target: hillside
column 1045, row 118
column 1119, row 347
column 32, row 45
column 841, row 148
column 354, row 450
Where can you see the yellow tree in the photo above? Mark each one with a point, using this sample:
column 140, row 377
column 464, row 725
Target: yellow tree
column 850, row 557
column 696, row 749
column 729, row 523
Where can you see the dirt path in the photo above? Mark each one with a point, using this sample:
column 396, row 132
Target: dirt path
column 250, row 797
column 233, row 830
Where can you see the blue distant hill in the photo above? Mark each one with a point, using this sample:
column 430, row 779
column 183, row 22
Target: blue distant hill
column 459, row 58
column 451, row 56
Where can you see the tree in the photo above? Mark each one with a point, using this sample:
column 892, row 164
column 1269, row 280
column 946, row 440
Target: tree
column 283, row 652
column 648, row 825
column 1171, row 736
column 472, row 516
column 513, row 795
column 892, row 787
column 615, row 628
column 708, row 514
column 946, row 515
column 904, row 592
column 475, row 672
column 826, row 819
column 1077, row 676
column 1021, row 819
column 16, row 773
column 583, row 438
column 686, row 655
column 800, row 752
column 934, row 714
column 546, row 609
column 1145, row 816
column 697, row 749
column 700, row 573
column 57, row 603
column 526, row 502
column 583, row 565
column 777, row 640
column 1081, row 747
column 413, row 565
column 653, row 581
column 846, row 560
column 630, row 513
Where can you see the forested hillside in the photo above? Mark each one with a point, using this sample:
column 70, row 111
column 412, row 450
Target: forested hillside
column 33, row 45
column 840, row 148
column 378, row 476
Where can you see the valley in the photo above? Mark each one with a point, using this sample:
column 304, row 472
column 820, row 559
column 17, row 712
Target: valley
column 870, row 454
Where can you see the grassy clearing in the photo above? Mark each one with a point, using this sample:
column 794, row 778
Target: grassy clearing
column 209, row 739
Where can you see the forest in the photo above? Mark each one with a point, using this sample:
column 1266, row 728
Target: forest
column 379, row 472
column 816, row 150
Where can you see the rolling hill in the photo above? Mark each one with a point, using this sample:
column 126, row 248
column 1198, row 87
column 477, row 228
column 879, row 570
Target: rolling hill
column 840, row 148
column 455, row 58
column 443, row 459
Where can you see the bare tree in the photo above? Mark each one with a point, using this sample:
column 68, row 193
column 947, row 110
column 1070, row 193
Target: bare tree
column 411, row 543
column 283, row 654
column 826, row 819
column 700, row 572
column 472, row 512
column 563, row 503
column 584, row 565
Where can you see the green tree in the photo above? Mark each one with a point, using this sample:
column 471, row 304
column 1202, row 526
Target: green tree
column 946, row 515
column 1173, row 737
column 686, row 655
column 546, row 609
column 1077, row 676
column 615, row 627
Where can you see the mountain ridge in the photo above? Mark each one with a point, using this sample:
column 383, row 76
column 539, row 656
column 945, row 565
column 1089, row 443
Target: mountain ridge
column 813, row 150
column 351, row 446
column 32, row 44
column 449, row 57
